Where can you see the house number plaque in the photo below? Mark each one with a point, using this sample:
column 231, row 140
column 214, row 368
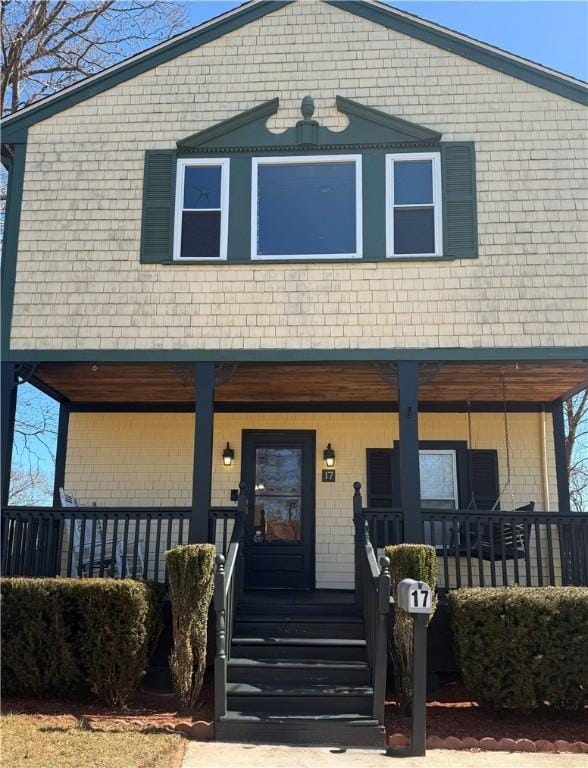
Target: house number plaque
column 328, row 475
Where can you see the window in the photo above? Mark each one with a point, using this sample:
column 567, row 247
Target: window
column 201, row 222
column 413, row 208
column 304, row 207
column 438, row 468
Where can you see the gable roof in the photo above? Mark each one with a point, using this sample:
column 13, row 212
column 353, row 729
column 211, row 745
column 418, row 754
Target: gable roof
column 377, row 12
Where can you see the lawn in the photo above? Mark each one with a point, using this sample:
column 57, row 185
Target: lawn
column 41, row 741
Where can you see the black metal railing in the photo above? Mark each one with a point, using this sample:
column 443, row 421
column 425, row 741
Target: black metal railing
column 228, row 583
column 495, row 548
column 220, row 526
column 372, row 593
column 119, row 542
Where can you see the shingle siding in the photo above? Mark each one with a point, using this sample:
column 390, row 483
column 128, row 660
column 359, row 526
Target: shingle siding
column 80, row 284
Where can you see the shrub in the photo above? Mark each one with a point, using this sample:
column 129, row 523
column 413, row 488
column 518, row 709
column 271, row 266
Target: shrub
column 191, row 584
column 64, row 636
column 523, row 647
column 407, row 561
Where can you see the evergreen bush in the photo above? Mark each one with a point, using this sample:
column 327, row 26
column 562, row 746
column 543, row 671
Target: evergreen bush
column 523, row 647
column 191, row 585
column 62, row 637
column 407, row 561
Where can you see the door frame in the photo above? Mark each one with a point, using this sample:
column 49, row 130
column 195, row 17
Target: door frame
column 309, row 434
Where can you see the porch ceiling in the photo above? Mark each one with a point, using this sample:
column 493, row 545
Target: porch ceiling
column 311, row 383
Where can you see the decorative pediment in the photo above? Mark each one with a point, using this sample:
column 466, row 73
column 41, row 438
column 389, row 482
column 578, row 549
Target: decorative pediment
column 368, row 127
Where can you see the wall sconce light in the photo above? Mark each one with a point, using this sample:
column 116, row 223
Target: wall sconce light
column 228, row 455
column 329, row 456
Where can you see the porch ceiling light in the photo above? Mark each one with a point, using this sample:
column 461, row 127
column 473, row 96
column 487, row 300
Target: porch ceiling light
column 329, row 456
column 228, row 455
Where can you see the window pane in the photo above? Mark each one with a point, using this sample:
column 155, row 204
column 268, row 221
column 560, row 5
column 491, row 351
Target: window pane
column 200, row 235
column 414, row 230
column 413, row 182
column 306, row 209
column 202, row 186
column 437, row 476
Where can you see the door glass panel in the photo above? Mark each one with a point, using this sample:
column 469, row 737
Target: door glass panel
column 437, row 476
column 278, row 495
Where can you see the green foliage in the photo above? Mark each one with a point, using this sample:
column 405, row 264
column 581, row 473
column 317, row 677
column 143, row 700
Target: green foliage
column 66, row 636
column 523, row 647
column 191, row 584
column 408, row 561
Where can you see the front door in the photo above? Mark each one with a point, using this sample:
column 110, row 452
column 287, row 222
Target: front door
column 279, row 472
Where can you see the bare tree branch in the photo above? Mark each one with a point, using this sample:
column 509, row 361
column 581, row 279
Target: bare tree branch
column 576, row 416
column 48, row 45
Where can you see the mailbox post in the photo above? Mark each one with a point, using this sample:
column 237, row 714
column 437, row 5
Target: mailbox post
column 416, row 598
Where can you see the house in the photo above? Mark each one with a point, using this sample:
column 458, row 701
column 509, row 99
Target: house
column 304, row 245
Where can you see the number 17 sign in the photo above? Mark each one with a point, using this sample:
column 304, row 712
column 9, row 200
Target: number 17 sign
column 415, row 596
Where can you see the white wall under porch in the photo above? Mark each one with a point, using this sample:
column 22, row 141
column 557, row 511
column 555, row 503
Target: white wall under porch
column 145, row 459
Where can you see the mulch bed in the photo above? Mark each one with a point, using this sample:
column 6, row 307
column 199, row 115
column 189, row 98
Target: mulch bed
column 146, row 711
column 451, row 712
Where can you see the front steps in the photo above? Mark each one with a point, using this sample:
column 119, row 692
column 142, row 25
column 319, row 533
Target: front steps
column 298, row 672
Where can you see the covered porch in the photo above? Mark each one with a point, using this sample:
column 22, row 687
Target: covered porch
column 141, row 447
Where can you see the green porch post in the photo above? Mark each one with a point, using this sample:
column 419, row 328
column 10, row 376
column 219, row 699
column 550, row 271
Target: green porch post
column 60, row 452
column 561, row 459
column 410, row 480
column 203, row 434
column 8, row 411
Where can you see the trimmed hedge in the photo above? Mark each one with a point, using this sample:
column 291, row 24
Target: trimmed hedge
column 407, row 561
column 191, row 585
column 75, row 636
column 523, row 647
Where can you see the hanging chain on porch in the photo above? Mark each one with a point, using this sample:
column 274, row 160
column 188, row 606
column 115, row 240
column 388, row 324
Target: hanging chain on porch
column 506, row 443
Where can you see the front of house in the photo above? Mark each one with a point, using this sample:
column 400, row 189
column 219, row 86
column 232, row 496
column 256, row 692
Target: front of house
column 303, row 245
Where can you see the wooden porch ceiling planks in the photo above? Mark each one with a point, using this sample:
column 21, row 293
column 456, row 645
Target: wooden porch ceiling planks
column 312, row 383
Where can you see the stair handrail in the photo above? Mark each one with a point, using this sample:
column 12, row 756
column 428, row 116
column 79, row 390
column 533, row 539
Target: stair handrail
column 372, row 593
column 227, row 582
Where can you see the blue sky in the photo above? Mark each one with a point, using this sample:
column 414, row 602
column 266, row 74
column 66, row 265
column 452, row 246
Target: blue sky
column 554, row 32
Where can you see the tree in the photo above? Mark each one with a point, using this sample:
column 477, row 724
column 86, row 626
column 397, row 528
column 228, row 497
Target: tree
column 50, row 44
column 33, row 454
column 576, row 415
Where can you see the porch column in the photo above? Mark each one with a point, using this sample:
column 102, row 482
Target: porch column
column 8, row 411
column 202, row 470
column 60, row 452
column 561, row 459
column 410, row 481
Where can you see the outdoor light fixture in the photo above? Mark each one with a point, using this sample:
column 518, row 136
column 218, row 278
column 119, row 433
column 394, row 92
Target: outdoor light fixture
column 228, row 455
column 329, row 456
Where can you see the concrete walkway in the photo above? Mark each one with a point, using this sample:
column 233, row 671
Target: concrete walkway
column 214, row 754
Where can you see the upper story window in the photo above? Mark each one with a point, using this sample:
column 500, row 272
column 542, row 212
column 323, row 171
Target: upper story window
column 413, row 210
column 201, row 217
column 306, row 207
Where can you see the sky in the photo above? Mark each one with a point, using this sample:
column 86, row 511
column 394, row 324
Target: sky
column 550, row 32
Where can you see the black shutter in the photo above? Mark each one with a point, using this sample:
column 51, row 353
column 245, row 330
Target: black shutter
column 460, row 229
column 484, row 478
column 157, row 226
column 382, row 478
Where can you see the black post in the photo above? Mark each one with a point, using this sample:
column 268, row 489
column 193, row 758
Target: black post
column 8, row 411
column 202, row 471
column 561, row 459
column 419, row 684
column 60, row 452
column 410, row 480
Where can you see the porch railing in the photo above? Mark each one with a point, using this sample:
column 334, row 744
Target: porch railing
column 372, row 593
column 495, row 548
column 228, row 583
column 121, row 542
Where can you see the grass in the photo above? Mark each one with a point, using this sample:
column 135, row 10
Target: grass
column 33, row 741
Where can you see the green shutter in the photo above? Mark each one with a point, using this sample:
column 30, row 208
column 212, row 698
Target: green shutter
column 460, row 229
column 157, row 227
column 484, row 487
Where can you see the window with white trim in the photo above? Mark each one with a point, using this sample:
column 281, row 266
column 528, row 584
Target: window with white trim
column 413, row 205
column 202, row 203
column 306, row 207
